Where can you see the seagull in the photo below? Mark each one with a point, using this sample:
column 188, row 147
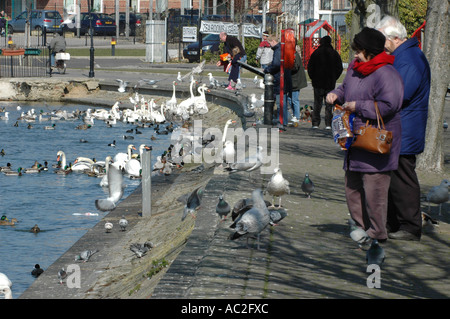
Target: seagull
column 108, row 226
column 375, row 254
column 141, row 249
column 179, row 78
column 85, row 255
column 115, row 179
column 5, row 286
column 37, row 271
column 222, row 208
column 62, row 275
column 213, row 83
column 307, row 185
column 122, row 85
column 253, row 221
column 438, row 195
column 193, row 203
column 123, row 223
column 278, row 186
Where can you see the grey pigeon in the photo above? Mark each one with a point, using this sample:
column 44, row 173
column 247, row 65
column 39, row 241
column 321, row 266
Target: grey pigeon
column 375, row 254
column 123, row 223
column 438, row 195
column 357, row 233
column 141, row 249
column 276, row 215
column 278, row 186
column 62, row 275
column 85, row 255
column 445, row 125
column 37, row 271
column 253, row 221
column 222, row 208
column 249, row 164
column 241, row 207
column 193, row 203
column 307, row 185
column 115, row 179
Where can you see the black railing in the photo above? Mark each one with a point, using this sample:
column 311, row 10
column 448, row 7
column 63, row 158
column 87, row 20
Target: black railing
column 28, row 62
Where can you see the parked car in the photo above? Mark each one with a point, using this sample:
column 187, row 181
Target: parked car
column 210, row 43
column 102, row 23
column 39, row 19
column 133, row 22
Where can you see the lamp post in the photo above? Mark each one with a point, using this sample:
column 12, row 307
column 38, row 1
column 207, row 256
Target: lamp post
column 91, row 33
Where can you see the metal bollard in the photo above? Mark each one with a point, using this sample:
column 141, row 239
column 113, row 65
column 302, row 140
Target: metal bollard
column 269, row 99
column 146, row 184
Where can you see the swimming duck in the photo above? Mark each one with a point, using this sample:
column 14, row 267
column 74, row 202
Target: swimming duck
column 14, row 173
column 8, row 222
column 5, row 168
column 37, row 271
column 35, row 229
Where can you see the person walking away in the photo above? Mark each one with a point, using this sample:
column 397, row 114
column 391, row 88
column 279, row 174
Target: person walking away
column 57, row 44
column 324, row 68
column 370, row 77
column 274, row 69
column 298, row 82
column 231, row 42
column 404, row 219
column 264, row 53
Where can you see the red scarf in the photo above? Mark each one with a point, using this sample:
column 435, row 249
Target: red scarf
column 365, row 68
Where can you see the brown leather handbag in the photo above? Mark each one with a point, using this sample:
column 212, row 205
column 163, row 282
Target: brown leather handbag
column 373, row 139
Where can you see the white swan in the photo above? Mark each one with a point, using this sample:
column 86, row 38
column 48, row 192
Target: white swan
column 172, row 103
column 5, row 286
column 133, row 166
column 82, row 164
column 121, row 158
column 104, row 181
column 225, row 130
column 185, row 104
column 200, row 104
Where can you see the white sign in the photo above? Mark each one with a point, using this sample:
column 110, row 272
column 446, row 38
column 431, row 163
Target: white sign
column 249, row 30
column 189, row 34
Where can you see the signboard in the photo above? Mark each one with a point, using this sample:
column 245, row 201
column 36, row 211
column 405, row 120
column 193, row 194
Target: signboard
column 249, row 30
column 189, row 34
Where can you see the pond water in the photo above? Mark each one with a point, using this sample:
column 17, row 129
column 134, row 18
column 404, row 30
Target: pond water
column 56, row 203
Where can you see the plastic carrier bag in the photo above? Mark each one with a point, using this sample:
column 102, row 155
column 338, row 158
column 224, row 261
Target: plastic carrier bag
column 342, row 127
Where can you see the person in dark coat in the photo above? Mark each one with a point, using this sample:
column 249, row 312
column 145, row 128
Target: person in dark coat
column 404, row 214
column 299, row 82
column 274, row 69
column 324, row 68
column 370, row 77
column 231, row 42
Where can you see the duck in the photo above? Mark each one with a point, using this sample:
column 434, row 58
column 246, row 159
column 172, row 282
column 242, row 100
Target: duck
column 113, row 144
column 35, row 229
column 8, row 222
column 37, row 271
column 52, row 127
column 5, row 168
column 36, row 168
column 14, row 173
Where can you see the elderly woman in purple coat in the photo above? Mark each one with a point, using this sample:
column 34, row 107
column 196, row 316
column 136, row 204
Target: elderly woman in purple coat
column 370, row 77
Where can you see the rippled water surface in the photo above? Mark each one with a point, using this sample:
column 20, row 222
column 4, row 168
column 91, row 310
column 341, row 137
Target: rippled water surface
column 56, row 203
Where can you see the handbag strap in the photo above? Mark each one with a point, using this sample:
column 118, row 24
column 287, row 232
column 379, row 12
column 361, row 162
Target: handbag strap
column 379, row 118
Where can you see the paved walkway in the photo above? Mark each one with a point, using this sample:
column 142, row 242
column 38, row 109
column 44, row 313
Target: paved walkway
column 309, row 254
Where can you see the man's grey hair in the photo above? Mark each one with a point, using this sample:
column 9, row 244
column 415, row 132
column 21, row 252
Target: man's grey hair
column 392, row 28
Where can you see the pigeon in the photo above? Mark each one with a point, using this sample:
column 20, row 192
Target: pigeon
column 375, row 255
column 241, row 207
column 358, row 234
column 115, row 179
column 307, row 185
column 438, row 195
column 108, row 226
column 122, row 85
column 278, row 186
column 445, row 125
column 276, row 215
column 37, row 271
column 250, row 163
column 141, row 249
column 253, row 221
column 193, row 203
column 222, row 208
column 85, row 255
column 123, row 223
column 62, row 275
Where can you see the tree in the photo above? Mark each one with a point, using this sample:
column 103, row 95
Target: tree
column 436, row 46
column 412, row 14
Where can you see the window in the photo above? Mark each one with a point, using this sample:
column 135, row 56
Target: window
column 325, row 4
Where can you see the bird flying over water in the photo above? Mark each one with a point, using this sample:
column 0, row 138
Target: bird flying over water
column 115, row 179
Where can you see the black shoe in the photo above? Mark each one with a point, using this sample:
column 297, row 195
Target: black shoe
column 403, row 235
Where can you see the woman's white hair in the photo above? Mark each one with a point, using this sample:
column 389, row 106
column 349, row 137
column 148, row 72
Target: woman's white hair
column 391, row 28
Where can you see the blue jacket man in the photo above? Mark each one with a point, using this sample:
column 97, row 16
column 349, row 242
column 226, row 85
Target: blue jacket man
column 404, row 218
